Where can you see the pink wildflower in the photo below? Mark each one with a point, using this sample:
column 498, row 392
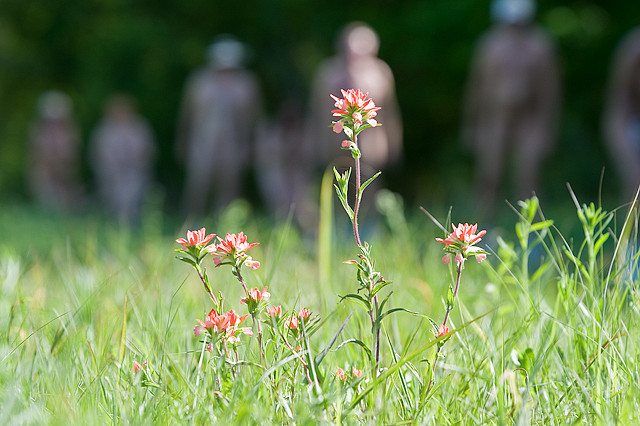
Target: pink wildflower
column 212, row 322
column 442, row 330
column 253, row 264
column 340, row 374
column 274, row 311
column 461, row 243
column 356, row 373
column 354, row 101
column 463, row 234
column 231, row 333
column 232, row 319
column 138, row 367
column 234, row 246
column 195, row 238
column 304, row 313
column 354, row 107
column 227, row 324
column 293, row 322
column 256, row 295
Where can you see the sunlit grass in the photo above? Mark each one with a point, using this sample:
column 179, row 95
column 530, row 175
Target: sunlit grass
column 555, row 342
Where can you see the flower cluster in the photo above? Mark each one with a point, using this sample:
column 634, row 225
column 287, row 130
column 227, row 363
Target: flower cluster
column 460, row 244
column 356, row 112
column 224, row 326
column 274, row 311
column 342, row 375
column 442, row 330
column 254, row 297
column 195, row 238
column 294, row 322
column 195, row 244
column 137, row 367
column 354, row 108
column 232, row 251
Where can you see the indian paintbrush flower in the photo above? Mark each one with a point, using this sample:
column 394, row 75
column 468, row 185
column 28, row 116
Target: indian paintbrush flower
column 304, row 313
column 138, row 367
column 254, row 298
column 195, row 238
column 225, row 325
column 442, row 330
column 354, row 108
column 355, row 372
column 460, row 244
column 274, row 311
column 232, row 250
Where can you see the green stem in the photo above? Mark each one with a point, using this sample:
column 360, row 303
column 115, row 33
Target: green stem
column 256, row 323
column 201, row 274
column 444, row 323
column 356, row 207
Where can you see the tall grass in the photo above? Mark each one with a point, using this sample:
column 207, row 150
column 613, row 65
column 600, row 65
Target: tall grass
column 546, row 328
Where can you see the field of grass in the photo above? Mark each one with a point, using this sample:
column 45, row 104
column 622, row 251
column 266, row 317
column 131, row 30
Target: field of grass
column 545, row 331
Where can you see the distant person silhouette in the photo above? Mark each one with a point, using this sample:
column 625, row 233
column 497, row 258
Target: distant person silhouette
column 54, row 154
column 283, row 176
column 122, row 155
column 220, row 110
column 356, row 66
column 512, row 102
column 622, row 112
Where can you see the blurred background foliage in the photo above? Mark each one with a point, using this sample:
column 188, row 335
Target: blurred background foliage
column 147, row 48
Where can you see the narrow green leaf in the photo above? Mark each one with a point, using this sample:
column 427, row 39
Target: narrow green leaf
column 345, row 203
column 598, row 245
column 371, row 179
column 390, row 311
column 187, row 260
column 379, row 287
column 123, row 335
column 326, row 350
column 360, row 300
column 541, row 225
column 359, row 343
column 541, row 270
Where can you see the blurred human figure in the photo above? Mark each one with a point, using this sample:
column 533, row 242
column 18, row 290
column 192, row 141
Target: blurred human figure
column 122, row 155
column 283, row 176
column 355, row 66
column 512, row 101
column 54, row 153
column 220, row 109
column 622, row 112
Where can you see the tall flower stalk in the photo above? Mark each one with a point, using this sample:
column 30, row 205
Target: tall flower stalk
column 459, row 245
column 232, row 250
column 354, row 113
column 193, row 251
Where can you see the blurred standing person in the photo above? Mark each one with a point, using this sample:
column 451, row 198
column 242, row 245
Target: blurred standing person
column 355, row 66
column 220, row 110
column 512, row 101
column 54, row 157
column 622, row 112
column 283, row 177
column 122, row 155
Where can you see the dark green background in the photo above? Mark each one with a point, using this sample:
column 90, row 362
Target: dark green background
column 91, row 48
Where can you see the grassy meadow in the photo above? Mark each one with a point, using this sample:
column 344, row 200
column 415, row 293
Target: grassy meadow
column 545, row 331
